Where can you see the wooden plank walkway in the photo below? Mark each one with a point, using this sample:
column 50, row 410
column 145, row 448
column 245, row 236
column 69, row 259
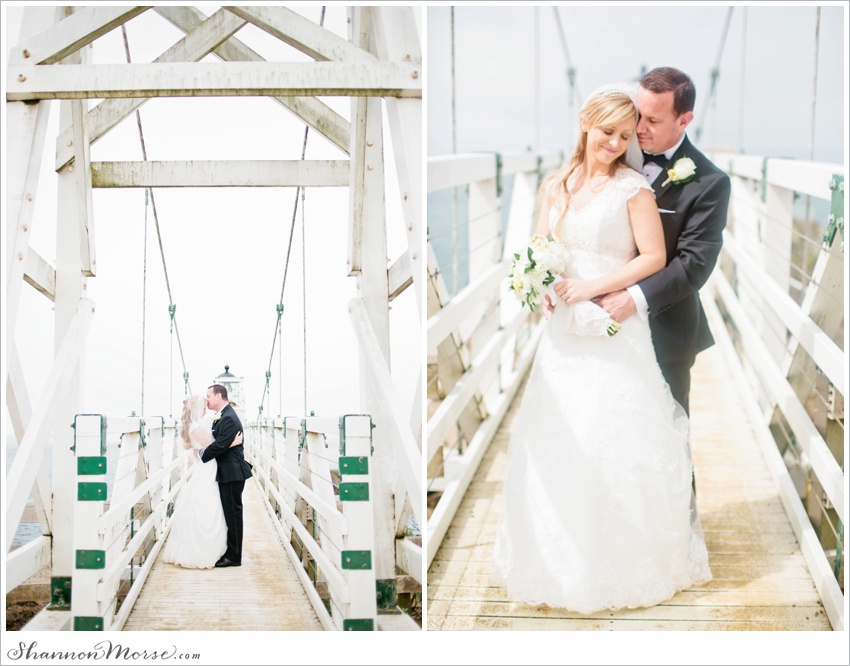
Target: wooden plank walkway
column 264, row 594
column 760, row 582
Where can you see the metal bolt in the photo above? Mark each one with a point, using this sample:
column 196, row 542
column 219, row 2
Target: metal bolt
column 29, row 197
column 370, row 167
column 832, row 184
column 410, row 227
column 20, row 256
column 405, row 196
column 26, row 228
column 21, row 78
column 71, row 169
column 368, row 143
column 70, row 143
column 26, row 54
column 415, row 74
column 413, row 257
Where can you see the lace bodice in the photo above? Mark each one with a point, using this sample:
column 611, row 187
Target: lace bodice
column 598, row 237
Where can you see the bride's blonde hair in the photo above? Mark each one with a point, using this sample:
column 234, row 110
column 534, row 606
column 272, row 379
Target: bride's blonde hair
column 606, row 109
column 193, row 410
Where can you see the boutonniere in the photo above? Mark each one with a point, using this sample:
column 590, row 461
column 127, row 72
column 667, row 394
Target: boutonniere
column 681, row 172
column 216, row 417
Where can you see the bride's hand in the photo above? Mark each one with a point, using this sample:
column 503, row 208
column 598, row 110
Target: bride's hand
column 237, row 440
column 575, row 291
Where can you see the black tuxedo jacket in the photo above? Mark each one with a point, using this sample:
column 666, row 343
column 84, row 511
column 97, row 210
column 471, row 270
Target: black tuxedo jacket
column 693, row 234
column 232, row 465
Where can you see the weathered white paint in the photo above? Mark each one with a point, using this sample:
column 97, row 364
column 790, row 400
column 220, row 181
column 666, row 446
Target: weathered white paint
column 83, row 180
column 399, row 276
column 315, row 113
column 213, row 79
column 222, row 173
column 71, row 34
column 205, row 37
column 810, row 178
column 392, row 417
column 27, row 560
column 40, row 275
column 302, row 34
column 408, row 558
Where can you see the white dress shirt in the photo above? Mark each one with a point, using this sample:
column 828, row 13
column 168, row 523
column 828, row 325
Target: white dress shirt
column 651, row 171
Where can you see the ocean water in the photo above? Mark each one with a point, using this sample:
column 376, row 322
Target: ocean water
column 440, row 230
column 26, row 532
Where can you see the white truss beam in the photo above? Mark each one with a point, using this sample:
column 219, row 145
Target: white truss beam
column 318, row 115
column 222, row 173
column 24, row 470
column 198, row 43
column 214, row 79
column 71, row 34
column 82, row 159
column 302, row 34
column 40, row 275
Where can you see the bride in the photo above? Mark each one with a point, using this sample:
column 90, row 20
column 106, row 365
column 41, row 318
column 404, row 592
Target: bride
column 198, row 536
column 597, row 508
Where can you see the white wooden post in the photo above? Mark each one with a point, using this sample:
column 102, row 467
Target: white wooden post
column 89, row 471
column 154, row 454
column 70, row 287
column 355, row 493
column 290, row 464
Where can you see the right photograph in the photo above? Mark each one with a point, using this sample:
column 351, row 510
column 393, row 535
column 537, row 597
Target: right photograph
column 636, row 337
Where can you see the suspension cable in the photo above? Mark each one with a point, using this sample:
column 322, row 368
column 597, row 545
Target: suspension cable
column 158, row 234
column 304, row 293
column 144, row 298
column 715, row 74
column 289, row 247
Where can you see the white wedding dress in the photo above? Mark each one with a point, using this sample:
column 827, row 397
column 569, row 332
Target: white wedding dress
column 597, row 509
column 198, row 536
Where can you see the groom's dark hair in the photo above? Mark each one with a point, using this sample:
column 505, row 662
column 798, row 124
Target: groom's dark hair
column 666, row 79
column 220, row 390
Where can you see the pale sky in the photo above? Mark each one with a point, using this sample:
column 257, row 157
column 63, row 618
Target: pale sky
column 494, row 55
column 225, row 250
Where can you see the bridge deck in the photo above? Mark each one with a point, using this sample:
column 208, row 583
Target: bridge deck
column 760, row 580
column 264, row 594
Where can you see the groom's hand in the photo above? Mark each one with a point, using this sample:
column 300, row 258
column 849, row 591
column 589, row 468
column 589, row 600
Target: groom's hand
column 618, row 304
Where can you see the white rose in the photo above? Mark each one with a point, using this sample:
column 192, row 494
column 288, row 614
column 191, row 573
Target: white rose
column 684, row 168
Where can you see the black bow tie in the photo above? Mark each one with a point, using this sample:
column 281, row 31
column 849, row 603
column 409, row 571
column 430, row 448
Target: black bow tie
column 660, row 160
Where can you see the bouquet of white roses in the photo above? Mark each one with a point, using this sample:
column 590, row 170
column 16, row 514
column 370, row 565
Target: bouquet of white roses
column 534, row 269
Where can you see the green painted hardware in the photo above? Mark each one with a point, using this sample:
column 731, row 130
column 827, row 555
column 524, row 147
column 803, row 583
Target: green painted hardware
column 88, row 624
column 838, row 551
column 498, row 175
column 353, row 465
column 170, row 509
column 91, row 465
column 386, row 594
column 91, row 492
column 102, row 432
column 142, row 441
column 303, row 441
column 91, row 559
column 353, row 492
column 60, row 593
column 186, row 383
column 358, row 625
column 539, row 170
column 836, row 211
column 357, row 559
column 342, row 432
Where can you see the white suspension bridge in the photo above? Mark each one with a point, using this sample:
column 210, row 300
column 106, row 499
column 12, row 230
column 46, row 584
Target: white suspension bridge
column 327, row 543
column 767, row 401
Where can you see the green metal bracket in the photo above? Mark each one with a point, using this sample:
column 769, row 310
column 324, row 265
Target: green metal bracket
column 498, row 174
column 357, row 559
column 353, row 465
column 386, row 594
column 88, row 624
column 91, row 465
column 838, row 551
column 303, row 441
column 353, row 492
column 91, row 492
column 60, row 593
column 358, row 625
column 342, row 432
column 91, row 559
column 142, row 441
column 836, row 211
column 102, row 432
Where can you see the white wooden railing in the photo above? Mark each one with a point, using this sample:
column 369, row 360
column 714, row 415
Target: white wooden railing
column 778, row 321
column 315, row 474
column 480, row 342
column 118, row 546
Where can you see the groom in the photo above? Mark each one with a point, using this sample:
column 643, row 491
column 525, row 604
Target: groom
column 232, row 472
column 693, row 213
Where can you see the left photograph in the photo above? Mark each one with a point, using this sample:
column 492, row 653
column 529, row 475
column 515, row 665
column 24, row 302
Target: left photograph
column 213, row 318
